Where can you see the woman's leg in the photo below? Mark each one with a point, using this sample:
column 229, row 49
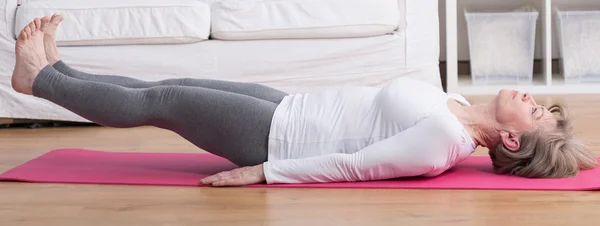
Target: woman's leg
column 249, row 89
column 230, row 125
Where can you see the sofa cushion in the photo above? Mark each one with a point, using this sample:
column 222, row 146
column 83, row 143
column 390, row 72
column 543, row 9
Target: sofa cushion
column 113, row 22
column 282, row 19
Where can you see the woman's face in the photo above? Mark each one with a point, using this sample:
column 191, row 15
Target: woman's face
column 518, row 112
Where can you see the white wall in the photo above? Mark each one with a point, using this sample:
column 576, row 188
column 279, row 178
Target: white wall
column 504, row 5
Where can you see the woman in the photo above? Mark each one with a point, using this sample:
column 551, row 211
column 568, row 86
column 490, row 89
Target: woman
column 406, row 128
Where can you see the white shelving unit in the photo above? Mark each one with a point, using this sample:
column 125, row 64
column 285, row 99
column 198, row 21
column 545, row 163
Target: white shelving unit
column 546, row 83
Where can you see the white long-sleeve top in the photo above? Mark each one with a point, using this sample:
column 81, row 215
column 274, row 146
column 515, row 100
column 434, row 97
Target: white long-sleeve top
column 365, row 133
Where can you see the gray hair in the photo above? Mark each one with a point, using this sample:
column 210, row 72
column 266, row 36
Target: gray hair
column 545, row 153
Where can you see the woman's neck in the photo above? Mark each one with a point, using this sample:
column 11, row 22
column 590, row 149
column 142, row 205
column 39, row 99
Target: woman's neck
column 477, row 121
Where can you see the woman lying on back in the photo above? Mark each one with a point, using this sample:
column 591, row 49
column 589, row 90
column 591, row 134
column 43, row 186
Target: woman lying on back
column 403, row 129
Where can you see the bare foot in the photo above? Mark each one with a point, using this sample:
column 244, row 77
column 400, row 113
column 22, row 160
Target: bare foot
column 49, row 38
column 30, row 56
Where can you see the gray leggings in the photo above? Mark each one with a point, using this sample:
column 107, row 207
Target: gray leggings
column 228, row 119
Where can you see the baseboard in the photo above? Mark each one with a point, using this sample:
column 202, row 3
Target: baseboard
column 32, row 123
column 6, row 121
column 464, row 67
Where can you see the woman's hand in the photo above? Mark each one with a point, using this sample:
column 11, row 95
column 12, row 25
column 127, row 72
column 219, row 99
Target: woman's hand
column 237, row 177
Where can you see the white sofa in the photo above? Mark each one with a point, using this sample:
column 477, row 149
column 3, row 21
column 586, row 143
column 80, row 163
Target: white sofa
column 293, row 45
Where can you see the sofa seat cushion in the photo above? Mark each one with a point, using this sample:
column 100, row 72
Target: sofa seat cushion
column 113, row 22
column 284, row 19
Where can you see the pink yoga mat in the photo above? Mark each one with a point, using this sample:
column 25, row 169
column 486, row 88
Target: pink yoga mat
column 168, row 169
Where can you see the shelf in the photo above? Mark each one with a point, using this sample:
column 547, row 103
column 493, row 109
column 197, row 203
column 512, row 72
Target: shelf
column 466, row 81
column 545, row 83
column 538, row 86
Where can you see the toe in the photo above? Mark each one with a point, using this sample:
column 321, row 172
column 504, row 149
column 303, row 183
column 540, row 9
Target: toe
column 27, row 30
column 45, row 22
column 56, row 18
column 23, row 35
column 31, row 26
column 38, row 23
column 46, row 19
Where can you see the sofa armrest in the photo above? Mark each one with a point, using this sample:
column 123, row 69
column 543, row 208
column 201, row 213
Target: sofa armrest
column 402, row 10
column 8, row 9
column 420, row 26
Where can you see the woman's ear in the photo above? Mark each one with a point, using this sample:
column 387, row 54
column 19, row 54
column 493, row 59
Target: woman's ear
column 510, row 141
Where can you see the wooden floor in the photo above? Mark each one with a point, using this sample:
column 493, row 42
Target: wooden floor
column 89, row 205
